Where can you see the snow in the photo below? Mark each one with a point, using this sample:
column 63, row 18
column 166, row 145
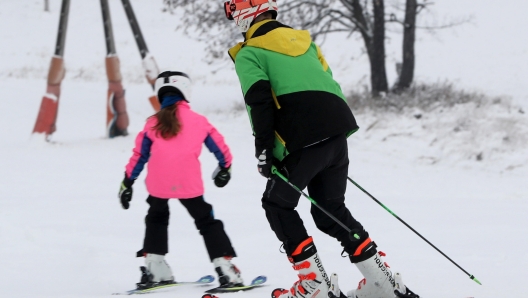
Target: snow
column 64, row 234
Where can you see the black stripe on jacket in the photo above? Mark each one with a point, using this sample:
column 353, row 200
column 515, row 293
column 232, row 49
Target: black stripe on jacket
column 260, row 100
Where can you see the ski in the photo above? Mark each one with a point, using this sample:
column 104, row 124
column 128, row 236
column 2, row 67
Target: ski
column 257, row 282
column 49, row 105
column 149, row 64
column 201, row 281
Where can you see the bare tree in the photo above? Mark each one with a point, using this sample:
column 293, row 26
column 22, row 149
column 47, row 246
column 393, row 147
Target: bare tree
column 378, row 74
column 411, row 10
column 205, row 20
column 406, row 76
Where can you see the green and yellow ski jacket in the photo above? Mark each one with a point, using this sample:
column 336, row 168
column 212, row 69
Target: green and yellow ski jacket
column 290, row 95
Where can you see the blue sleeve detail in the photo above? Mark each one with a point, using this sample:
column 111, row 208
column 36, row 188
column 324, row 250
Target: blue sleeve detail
column 143, row 159
column 211, row 145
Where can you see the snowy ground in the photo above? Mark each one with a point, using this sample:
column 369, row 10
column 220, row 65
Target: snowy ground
column 64, row 234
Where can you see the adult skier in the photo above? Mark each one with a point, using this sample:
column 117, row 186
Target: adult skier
column 171, row 143
column 301, row 122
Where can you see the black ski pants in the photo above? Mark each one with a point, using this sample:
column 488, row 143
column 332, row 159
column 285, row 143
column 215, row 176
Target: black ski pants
column 212, row 230
column 323, row 168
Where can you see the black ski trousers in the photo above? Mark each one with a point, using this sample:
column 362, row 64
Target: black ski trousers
column 323, row 168
column 212, row 230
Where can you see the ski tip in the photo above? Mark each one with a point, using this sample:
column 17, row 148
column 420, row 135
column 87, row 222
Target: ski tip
column 259, row 280
column 206, row 279
column 209, row 296
column 475, row 280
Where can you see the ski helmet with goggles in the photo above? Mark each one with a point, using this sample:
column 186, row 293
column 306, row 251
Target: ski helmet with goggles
column 243, row 12
column 175, row 82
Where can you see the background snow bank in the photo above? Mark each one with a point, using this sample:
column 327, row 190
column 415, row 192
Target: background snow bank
column 450, row 125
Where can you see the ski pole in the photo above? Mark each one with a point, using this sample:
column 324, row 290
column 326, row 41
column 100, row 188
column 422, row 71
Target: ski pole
column 401, row 220
column 351, row 233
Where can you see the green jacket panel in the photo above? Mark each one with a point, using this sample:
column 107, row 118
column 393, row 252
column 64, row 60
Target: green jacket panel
column 286, row 74
column 292, row 99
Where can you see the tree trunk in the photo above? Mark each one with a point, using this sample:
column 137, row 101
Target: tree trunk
column 378, row 75
column 364, row 28
column 407, row 71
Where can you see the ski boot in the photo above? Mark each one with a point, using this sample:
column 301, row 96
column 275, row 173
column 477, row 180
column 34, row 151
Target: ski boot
column 228, row 274
column 313, row 281
column 379, row 281
column 156, row 272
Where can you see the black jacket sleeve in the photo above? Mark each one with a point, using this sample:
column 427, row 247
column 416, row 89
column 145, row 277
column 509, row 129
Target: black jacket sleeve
column 260, row 101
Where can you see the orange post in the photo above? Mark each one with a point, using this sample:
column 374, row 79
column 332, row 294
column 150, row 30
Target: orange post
column 116, row 114
column 49, row 105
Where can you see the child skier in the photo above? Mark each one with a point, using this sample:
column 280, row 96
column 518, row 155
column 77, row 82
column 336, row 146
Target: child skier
column 171, row 143
column 301, row 122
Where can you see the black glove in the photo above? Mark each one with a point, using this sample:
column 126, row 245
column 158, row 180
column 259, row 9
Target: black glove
column 221, row 176
column 265, row 160
column 125, row 192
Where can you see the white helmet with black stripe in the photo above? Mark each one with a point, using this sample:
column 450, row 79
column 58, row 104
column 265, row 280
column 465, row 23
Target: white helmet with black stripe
column 173, row 82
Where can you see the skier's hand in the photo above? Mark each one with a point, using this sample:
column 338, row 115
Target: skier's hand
column 221, row 176
column 125, row 192
column 265, row 161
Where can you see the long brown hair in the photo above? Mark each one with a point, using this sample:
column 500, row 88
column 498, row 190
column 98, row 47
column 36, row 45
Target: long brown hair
column 168, row 125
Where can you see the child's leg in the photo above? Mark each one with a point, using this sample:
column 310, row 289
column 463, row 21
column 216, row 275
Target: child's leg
column 212, row 230
column 157, row 223
column 155, row 244
column 216, row 241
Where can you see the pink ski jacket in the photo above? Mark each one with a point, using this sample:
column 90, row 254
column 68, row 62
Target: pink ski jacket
column 174, row 170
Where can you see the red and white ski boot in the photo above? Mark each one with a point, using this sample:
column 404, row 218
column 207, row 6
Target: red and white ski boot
column 313, row 281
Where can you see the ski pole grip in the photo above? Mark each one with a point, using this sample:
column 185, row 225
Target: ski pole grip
column 274, row 170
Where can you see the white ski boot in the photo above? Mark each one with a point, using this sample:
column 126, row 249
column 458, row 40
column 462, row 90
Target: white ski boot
column 228, row 274
column 156, row 270
column 313, row 281
column 379, row 281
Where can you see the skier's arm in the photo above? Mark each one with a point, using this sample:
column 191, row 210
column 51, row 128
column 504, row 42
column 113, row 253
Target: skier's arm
column 215, row 143
column 256, row 88
column 140, row 156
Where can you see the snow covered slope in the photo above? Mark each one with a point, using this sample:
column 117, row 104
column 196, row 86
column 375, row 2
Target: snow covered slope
column 64, row 234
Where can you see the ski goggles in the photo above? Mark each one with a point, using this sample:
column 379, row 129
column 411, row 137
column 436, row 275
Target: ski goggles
column 231, row 6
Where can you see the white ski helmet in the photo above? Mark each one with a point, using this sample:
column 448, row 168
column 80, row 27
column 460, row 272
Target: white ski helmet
column 243, row 12
column 173, row 81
